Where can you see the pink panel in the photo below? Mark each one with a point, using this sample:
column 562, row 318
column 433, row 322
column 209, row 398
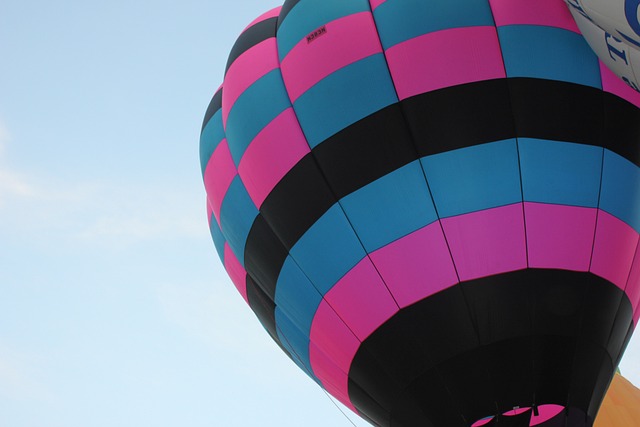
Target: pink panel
column 560, row 236
column 246, row 70
column 218, row 175
column 487, row 242
column 546, row 412
column 482, row 422
column 362, row 300
column 552, row 13
column 614, row 249
column 416, row 266
column 310, row 62
column 236, row 272
column 613, row 84
column 273, row 13
column 330, row 334
column 445, row 58
column 633, row 286
column 272, row 153
column 375, row 3
column 333, row 379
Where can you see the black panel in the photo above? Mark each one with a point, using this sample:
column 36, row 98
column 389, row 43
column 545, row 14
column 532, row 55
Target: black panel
column 605, row 318
column 559, row 111
column 622, row 128
column 541, row 341
column 516, row 379
column 551, row 362
column 625, row 343
column 264, row 256
column 460, row 116
column 365, row 151
column 297, row 202
column 286, row 8
column 252, row 36
column 264, row 308
column 214, row 106
column 374, row 413
column 587, row 390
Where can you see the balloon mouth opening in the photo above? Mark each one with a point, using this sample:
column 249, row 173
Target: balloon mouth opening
column 539, row 414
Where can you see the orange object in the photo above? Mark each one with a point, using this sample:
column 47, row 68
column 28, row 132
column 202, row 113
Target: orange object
column 621, row 405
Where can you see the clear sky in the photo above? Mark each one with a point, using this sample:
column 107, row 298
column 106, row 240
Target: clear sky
column 114, row 309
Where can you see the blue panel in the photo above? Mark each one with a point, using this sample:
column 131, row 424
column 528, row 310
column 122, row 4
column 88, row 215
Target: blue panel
column 327, row 108
column 210, row 138
column 328, row 250
column 401, row 20
column 236, row 217
column 296, row 295
column 308, row 15
column 474, row 178
column 218, row 238
column 296, row 343
column 548, row 53
column 621, row 189
column 255, row 108
column 560, row 172
column 391, row 207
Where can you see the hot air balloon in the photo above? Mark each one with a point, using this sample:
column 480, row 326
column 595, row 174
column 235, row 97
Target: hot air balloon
column 431, row 206
column 621, row 405
column 612, row 28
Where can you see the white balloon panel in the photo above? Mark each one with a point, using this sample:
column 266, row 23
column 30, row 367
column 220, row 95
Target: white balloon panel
column 612, row 29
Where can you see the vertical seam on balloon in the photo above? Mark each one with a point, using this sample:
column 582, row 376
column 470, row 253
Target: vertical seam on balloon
column 598, row 210
column 524, row 211
column 333, row 193
column 453, row 397
column 524, row 220
column 257, row 282
column 354, row 231
column 582, row 308
column 413, row 143
column 335, row 198
column 595, row 229
column 517, row 139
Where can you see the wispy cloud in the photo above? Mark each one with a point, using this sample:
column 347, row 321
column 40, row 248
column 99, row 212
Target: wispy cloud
column 140, row 213
column 114, row 213
column 14, row 184
column 93, row 212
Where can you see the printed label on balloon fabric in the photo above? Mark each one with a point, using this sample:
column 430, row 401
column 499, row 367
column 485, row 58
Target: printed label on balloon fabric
column 317, row 33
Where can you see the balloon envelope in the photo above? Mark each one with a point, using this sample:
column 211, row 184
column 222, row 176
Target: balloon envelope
column 621, row 405
column 612, row 28
column 431, row 206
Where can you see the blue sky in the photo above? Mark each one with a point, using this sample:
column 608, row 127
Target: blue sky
column 115, row 310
